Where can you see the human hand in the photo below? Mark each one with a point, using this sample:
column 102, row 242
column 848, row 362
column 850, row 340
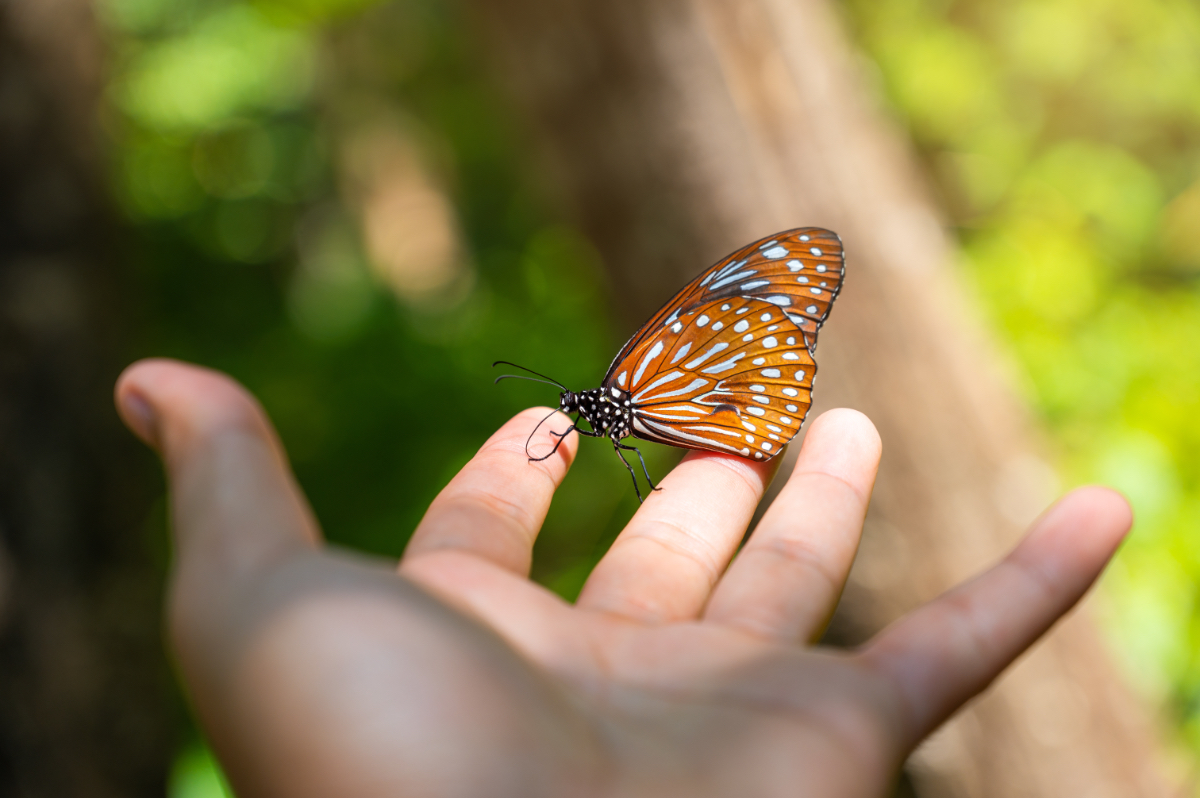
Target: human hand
column 677, row 672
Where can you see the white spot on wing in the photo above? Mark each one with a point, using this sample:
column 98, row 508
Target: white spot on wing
column 718, row 325
column 696, row 385
column 688, row 408
column 725, row 270
column 621, row 379
column 792, row 409
column 733, row 278
column 762, row 400
column 658, row 432
column 795, row 265
column 782, row 301
column 816, row 252
column 758, row 388
column 726, row 365
column 790, row 356
column 755, row 284
column 822, row 268
column 712, row 351
column 677, row 326
column 799, row 376
column 654, row 352
column 741, row 326
column 769, row 341
column 766, row 446
column 657, row 413
column 731, row 433
column 772, row 373
column 790, row 392
column 774, row 253
column 674, row 375
column 683, row 352
column 700, row 322
column 662, row 433
column 756, row 411
column 811, row 309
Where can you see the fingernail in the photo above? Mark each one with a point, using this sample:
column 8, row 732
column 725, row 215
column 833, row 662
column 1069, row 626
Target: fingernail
column 140, row 417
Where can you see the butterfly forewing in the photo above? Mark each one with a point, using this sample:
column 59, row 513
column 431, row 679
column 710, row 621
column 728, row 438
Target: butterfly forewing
column 727, row 364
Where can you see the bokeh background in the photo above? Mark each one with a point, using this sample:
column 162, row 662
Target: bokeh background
column 333, row 201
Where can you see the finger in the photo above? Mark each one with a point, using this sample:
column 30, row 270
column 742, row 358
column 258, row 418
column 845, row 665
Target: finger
column 947, row 651
column 785, row 582
column 236, row 510
column 663, row 566
column 235, row 504
column 495, row 506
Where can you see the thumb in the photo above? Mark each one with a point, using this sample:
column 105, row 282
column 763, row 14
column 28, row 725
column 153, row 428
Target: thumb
column 235, row 505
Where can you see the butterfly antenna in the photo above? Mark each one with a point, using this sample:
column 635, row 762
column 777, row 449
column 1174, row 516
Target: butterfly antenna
column 531, row 371
column 523, row 377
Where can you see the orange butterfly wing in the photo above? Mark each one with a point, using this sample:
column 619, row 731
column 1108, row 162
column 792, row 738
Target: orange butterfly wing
column 727, row 364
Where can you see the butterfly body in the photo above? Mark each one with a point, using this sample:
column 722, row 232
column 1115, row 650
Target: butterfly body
column 607, row 410
column 727, row 364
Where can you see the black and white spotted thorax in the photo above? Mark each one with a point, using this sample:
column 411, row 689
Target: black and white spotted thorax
column 607, row 410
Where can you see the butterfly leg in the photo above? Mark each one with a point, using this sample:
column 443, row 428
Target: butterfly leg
column 562, row 436
column 641, row 459
column 617, row 448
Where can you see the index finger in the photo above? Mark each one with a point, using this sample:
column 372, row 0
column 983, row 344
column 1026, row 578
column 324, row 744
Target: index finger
column 664, row 564
column 495, row 506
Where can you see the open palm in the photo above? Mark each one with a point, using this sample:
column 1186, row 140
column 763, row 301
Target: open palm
column 681, row 670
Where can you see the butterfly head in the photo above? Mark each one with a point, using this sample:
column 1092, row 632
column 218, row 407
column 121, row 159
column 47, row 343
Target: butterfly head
column 568, row 401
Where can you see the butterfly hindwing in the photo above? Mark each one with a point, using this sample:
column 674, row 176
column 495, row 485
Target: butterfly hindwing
column 736, row 378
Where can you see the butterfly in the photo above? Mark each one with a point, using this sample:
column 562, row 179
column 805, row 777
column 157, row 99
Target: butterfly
column 726, row 365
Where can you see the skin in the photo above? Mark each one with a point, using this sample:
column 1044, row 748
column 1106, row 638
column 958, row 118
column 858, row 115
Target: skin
column 682, row 670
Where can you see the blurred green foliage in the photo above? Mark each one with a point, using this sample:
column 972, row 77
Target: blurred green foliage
column 1061, row 134
column 233, row 124
column 197, row 774
column 1064, row 138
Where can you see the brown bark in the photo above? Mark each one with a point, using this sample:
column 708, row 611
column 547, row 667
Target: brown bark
column 678, row 130
column 86, row 706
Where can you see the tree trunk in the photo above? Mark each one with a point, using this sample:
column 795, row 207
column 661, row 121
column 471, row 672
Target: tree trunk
column 86, row 696
column 679, row 130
